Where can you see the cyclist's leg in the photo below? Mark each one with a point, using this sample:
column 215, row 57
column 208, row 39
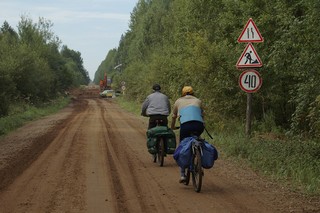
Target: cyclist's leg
column 160, row 120
column 191, row 128
column 152, row 122
column 182, row 175
column 164, row 120
column 182, row 170
column 199, row 128
column 184, row 131
column 187, row 130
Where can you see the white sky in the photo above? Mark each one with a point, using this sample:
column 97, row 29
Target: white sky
column 92, row 27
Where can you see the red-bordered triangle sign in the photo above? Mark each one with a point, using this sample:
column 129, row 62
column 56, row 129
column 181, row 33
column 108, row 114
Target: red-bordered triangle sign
column 250, row 33
column 249, row 58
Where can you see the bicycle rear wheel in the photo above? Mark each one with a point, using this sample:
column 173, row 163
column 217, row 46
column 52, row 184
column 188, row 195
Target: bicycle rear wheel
column 161, row 151
column 197, row 171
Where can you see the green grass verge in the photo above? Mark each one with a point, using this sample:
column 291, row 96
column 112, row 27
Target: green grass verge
column 130, row 106
column 290, row 161
column 20, row 113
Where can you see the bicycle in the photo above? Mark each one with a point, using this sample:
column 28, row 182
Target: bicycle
column 162, row 148
column 195, row 168
column 160, row 154
column 202, row 156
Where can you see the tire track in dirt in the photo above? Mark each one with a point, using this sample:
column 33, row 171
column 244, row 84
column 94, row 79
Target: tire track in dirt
column 167, row 202
column 30, row 146
column 117, row 171
column 99, row 194
column 140, row 180
column 51, row 177
column 71, row 159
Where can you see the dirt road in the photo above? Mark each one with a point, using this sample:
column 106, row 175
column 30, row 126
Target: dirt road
column 92, row 157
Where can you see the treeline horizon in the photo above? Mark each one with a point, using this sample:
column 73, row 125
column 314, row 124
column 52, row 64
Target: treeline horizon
column 34, row 67
column 176, row 43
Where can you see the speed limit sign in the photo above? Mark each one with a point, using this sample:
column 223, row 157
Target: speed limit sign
column 250, row 81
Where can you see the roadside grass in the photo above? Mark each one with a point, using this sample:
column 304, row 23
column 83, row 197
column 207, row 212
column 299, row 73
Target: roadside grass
column 130, row 106
column 21, row 112
column 291, row 161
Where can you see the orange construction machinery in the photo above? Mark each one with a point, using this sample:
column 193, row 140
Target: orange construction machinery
column 104, row 83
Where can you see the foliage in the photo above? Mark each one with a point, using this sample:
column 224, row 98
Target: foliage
column 194, row 42
column 74, row 63
column 22, row 112
column 32, row 68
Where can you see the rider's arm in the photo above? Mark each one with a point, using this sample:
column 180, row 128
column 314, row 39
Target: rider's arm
column 174, row 116
column 144, row 107
column 173, row 122
column 168, row 105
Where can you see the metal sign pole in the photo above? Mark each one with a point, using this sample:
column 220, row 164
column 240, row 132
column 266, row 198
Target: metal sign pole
column 250, row 80
column 248, row 114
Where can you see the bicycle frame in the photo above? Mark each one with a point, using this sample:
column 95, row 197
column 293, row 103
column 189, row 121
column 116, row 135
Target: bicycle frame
column 195, row 167
column 196, row 144
column 161, row 150
column 161, row 147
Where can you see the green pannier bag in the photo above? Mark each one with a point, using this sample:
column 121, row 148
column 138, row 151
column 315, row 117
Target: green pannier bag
column 169, row 135
column 171, row 141
column 151, row 145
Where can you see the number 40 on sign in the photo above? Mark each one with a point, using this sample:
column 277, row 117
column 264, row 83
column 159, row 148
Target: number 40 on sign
column 250, row 81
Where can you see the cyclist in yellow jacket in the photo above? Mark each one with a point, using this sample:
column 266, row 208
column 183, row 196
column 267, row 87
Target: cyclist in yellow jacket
column 188, row 109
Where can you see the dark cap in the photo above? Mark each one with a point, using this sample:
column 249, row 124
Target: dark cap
column 156, row 87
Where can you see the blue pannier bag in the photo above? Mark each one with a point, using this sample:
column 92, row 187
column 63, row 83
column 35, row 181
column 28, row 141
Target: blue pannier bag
column 183, row 154
column 209, row 155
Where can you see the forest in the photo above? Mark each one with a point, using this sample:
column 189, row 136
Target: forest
column 34, row 66
column 178, row 42
column 194, row 42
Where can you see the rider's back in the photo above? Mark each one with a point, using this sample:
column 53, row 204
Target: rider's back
column 158, row 104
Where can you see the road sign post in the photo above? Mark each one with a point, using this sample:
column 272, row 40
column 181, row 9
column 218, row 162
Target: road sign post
column 250, row 33
column 250, row 81
column 123, row 88
column 248, row 114
column 249, row 58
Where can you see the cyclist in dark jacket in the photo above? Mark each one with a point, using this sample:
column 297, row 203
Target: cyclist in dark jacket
column 157, row 107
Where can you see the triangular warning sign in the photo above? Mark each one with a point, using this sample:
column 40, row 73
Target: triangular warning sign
column 250, row 33
column 249, row 58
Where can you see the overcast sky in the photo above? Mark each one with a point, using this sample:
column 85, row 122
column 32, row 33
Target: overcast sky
column 92, row 27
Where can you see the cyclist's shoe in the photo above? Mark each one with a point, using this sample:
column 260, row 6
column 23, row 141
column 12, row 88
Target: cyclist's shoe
column 182, row 179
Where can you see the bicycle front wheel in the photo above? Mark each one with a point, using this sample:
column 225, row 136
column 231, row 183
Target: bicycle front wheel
column 161, row 151
column 197, row 172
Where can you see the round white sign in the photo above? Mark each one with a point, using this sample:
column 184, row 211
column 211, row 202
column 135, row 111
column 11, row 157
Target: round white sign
column 250, row 81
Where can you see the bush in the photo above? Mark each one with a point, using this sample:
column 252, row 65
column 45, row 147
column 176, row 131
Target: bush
column 22, row 112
